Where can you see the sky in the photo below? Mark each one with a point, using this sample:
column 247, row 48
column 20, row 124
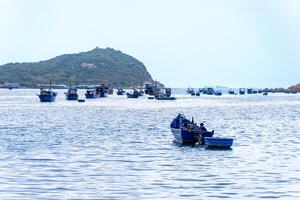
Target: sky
column 196, row 43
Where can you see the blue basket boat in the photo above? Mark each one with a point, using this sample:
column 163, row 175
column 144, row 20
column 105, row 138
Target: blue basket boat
column 186, row 131
column 218, row 142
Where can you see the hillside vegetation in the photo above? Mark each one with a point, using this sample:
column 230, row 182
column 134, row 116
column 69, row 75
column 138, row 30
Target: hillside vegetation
column 107, row 66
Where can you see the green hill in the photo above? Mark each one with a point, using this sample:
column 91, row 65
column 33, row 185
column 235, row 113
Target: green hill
column 107, row 66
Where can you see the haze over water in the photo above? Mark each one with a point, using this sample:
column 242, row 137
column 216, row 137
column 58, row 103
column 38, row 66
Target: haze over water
column 119, row 148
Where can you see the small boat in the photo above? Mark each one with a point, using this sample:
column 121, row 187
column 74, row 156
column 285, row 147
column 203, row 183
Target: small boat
column 249, row 91
column 230, row 91
column 218, row 142
column 164, row 97
column 102, row 90
column 265, row 93
column 218, row 93
column 111, row 91
column 135, row 94
column 81, row 100
column 91, row 93
column 151, row 97
column 209, row 91
column 141, row 93
column 241, row 91
column 47, row 95
column 120, row 91
column 72, row 94
column 186, row 131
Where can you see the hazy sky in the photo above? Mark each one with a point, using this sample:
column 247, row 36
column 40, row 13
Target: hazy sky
column 182, row 42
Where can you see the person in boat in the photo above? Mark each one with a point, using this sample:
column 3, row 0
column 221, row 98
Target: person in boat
column 202, row 128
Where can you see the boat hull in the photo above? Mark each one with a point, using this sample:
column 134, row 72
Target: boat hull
column 72, row 97
column 90, row 96
column 218, row 142
column 184, row 136
column 47, row 98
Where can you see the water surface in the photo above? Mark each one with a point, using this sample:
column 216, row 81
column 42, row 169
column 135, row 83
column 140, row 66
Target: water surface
column 119, row 148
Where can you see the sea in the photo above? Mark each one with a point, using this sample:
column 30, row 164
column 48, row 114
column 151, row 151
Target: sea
column 119, row 148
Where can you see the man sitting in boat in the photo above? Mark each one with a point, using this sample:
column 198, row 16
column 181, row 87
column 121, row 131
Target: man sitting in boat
column 202, row 128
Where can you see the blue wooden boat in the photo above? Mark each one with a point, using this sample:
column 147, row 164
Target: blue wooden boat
column 72, row 94
column 186, row 131
column 120, row 91
column 47, row 95
column 218, row 142
column 134, row 95
column 166, row 95
column 102, row 90
column 91, row 93
column 242, row 91
column 218, row 93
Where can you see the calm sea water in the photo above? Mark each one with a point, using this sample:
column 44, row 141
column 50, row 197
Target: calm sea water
column 119, row 148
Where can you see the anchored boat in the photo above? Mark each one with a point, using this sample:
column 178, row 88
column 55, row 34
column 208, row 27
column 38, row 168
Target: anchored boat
column 91, row 93
column 120, row 91
column 186, row 131
column 218, row 142
column 47, row 95
column 72, row 94
column 135, row 94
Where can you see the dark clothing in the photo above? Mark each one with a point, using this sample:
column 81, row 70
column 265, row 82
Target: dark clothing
column 202, row 128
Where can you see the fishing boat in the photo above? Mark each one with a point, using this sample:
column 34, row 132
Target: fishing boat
column 218, row 93
column 71, row 94
column 265, row 93
column 166, row 95
column 102, row 90
column 134, row 95
column 241, row 91
column 151, row 89
column 186, row 131
column 249, row 91
column 91, row 93
column 218, row 142
column 111, row 91
column 47, row 95
column 120, row 91
column 141, row 93
column 209, row 91
column 230, row 91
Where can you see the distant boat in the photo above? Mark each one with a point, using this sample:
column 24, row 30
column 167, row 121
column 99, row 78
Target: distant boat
column 102, row 90
column 151, row 89
column 111, row 91
column 47, row 95
column 186, row 131
column 241, row 91
column 218, row 93
column 135, row 94
column 91, row 93
column 265, row 93
column 166, row 95
column 72, row 94
column 217, row 142
column 141, row 93
column 249, row 91
column 230, row 91
column 209, row 91
column 120, row 91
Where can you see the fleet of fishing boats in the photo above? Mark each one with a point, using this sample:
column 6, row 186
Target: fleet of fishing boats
column 185, row 131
